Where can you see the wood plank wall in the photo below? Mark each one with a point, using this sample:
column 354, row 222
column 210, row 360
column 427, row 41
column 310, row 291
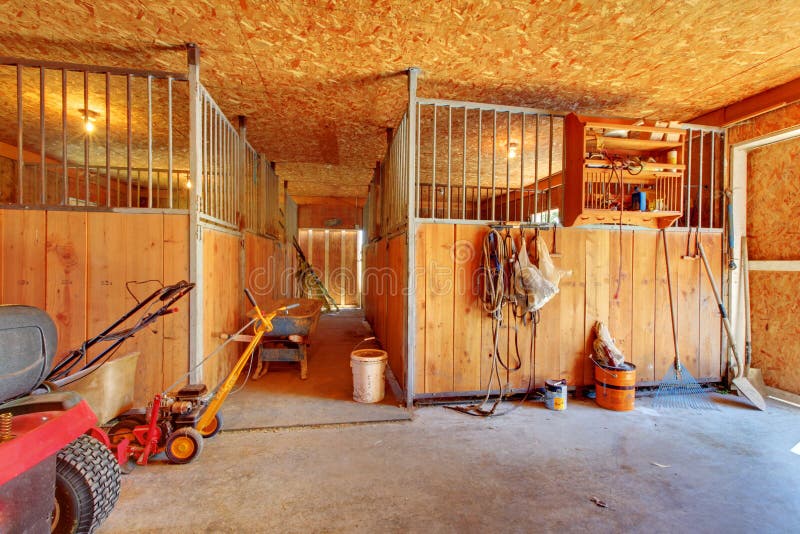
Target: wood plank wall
column 384, row 282
column 75, row 265
column 334, row 255
column 617, row 277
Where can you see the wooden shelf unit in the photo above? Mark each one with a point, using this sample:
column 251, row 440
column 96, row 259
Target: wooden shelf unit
column 607, row 159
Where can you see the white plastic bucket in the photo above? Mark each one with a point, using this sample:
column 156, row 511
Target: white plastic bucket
column 368, row 367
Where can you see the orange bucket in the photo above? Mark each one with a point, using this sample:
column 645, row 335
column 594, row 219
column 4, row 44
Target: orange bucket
column 615, row 387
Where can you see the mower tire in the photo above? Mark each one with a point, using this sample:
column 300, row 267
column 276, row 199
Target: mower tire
column 87, row 486
column 213, row 427
column 184, row 445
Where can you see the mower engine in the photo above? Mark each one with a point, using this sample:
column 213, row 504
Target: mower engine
column 185, row 407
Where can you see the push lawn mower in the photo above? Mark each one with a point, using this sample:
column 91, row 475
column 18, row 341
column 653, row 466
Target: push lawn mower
column 177, row 423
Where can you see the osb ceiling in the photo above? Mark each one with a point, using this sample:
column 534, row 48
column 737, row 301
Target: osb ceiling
column 320, row 81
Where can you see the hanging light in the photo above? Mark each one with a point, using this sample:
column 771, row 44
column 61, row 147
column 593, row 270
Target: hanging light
column 89, row 117
column 188, row 183
column 512, row 149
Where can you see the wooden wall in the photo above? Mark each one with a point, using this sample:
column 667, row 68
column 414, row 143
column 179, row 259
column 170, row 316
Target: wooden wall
column 334, row 255
column 347, row 210
column 223, row 300
column 619, row 278
column 384, row 282
column 773, row 199
column 75, row 265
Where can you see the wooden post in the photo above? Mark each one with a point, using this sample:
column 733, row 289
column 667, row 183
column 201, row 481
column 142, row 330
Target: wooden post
column 196, row 347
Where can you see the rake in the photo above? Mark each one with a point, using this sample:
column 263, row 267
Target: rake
column 679, row 389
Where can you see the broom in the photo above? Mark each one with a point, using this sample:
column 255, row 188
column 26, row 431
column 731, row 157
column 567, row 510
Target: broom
column 679, row 389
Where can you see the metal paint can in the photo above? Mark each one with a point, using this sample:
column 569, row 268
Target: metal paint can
column 555, row 394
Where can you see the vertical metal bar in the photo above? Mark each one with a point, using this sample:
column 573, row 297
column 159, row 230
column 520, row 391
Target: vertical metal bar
column 149, row 141
column 522, row 170
column 480, row 142
column 689, row 180
column 550, row 173
column 449, row 154
column 20, row 153
column 494, row 159
column 700, row 185
column 64, row 155
column 42, row 162
column 417, row 155
column 86, row 136
column 508, row 166
column 169, row 140
column 108, row 140
column 464, row 170
column 536, row 172
column 433, row 175
column 128, row 81
column 411, row 275
column 712, row 191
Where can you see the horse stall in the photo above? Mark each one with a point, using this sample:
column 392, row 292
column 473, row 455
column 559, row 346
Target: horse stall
column 114, row 182
column 455, row 171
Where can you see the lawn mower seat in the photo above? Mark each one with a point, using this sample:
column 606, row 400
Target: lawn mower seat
column 28, row 342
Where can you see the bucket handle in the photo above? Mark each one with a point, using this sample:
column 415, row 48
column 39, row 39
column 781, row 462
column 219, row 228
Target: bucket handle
column 612, row 375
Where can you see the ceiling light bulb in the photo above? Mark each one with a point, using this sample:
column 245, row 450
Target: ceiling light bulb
column 89, row 126
column 512, row 150
column 188, row 184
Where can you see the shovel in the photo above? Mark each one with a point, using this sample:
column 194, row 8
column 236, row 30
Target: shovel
column 741, row 382
column 753, row 375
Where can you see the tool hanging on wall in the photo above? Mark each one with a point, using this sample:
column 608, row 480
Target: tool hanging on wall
column 310, row 284
column 731, row 235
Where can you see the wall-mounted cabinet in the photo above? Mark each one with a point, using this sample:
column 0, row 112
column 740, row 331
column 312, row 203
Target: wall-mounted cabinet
column 621, row 171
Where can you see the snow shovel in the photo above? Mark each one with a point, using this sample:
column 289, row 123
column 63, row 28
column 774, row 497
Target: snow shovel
column 741, row 382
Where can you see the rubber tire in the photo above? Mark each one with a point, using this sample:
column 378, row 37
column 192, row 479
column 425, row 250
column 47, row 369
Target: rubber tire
column 216, row 426
column 87, row 485
column 186, row 432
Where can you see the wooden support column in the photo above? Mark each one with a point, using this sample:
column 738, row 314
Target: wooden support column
column 196, row 347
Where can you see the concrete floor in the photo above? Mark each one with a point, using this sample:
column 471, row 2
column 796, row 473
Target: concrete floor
column 282, row 399
column 532, row 470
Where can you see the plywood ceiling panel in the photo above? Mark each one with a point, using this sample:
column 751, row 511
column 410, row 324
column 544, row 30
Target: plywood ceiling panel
column 320, row 81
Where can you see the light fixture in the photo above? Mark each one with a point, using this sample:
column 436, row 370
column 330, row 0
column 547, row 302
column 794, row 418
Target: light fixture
column 89, row 117
column 188, row 183
column 512, row 149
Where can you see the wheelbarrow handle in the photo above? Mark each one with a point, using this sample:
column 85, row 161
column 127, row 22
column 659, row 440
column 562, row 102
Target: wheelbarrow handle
column 250, row 297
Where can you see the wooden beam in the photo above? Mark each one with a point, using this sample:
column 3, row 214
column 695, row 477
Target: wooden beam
column 775, row 265
column 330, row 201
column 763, row 102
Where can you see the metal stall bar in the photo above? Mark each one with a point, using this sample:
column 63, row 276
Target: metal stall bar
column 433, row 175
column 128, row 80
column 20, row 153
column 508, row 167
column 480, row 142
column 522, row 170
column 712, row 191
column 689, row 179
column 449, row 154
column 42, row 163
column 169, row 142
column 700, row 184
column 411, row 289
column 464, row 170
column 550, row 173
column 108, row 140
column 86, row 136
column 149, row 141
column 494, row 159
column 64, row 155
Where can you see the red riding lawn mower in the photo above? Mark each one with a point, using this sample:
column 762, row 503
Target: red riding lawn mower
column 55, row 475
